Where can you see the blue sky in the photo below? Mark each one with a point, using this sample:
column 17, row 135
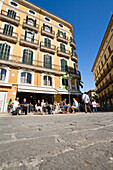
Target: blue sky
column 90, row 19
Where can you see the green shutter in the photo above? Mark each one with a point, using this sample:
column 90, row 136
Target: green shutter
column 59, row 33
column 50, row 62
column 43, row 26
column 5, row 31
column 26, row 19
column 31, row 57
column 25, row 36
column 45, row 42
column 49, row 43
column 24, row 56
column 71, row 39
column 64, row 35
column 10, row 31
column 44, row 60
column 35, row 23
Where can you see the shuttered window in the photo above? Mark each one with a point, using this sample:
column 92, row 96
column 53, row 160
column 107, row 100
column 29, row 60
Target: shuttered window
column 11, row 14
column 64, row 82
column 4, row 51
column 2, row 74
column 26, row 78
column 27, row 56
column 61, row 34
column 62, row 47
column 47, row 61
column 47, row 81
column 47, row 28
column 8, row 29
column 29, row 36
column 63, row 65
column 30, row 21
column 47, row 42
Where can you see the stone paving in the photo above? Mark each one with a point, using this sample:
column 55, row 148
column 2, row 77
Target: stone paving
column 57, row 142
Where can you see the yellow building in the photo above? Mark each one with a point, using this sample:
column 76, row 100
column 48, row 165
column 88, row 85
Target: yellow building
column 37, row 49
column 103, row 70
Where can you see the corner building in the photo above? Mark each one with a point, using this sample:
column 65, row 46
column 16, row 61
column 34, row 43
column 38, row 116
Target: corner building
column 36, row 49
column 103, row 70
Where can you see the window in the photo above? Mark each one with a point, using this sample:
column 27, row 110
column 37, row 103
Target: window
column 14, row 4
column 109, row 49
column 27, row 57
column 31, row 12
column 63, row 65
column 47, row 19
column 47, row 28
column 2, row 74
column 47, row 61
column 47, row 81
column 61, row 34
column 29, row 36
column 11, row 13
column 60, row 25
column 64, row 82
column 102, row 63
column 4, row 51
column 47, row 42
column 62, row 47
column 112, row 59
column 26, row 78
column 107, row 66
column 105, row 57
column 74, row 67
column 8, row 29
column 30, row 21
column 71, row 39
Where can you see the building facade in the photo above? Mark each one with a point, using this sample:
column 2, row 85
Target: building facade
column 37, row 49
column 103, row 70
column 91, row 93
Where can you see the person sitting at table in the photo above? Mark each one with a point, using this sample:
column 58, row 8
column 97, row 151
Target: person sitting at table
column 38, row 107
column 75, row 105
column 24, row 105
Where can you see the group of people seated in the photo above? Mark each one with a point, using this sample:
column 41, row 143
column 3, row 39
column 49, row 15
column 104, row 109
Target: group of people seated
column 41, row 107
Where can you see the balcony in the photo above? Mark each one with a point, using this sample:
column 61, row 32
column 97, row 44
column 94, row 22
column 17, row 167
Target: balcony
column 13, row 37
column 62, row 38
column 49, row 33
column 71, row 70
column 47, row 47
column 5, row 17
column 34, row 27
column 74, row 57
column 29, row 42
column 72, row 43
column 63, row 53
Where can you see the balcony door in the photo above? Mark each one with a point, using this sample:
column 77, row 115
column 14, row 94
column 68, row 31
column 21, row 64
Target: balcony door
column 4, row 51
column 11, row 14
column 29, row 36
column 30, row 21
column 47, row 61
column 47, row 28
column 47, row 42
column 8, row 29
column 27, row 57
column 62, row 47
column 63, row 65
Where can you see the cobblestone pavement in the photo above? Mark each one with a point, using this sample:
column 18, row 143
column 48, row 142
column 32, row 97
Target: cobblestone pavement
column 63, row 142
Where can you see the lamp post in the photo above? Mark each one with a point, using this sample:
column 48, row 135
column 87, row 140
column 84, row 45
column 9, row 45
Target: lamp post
column 68, row 77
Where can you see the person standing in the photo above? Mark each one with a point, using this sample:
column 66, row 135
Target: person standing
column 94, row 104
column 43, row 105
column 24, row 105
column 16, row 105
column 86, row 100
column 10, row 105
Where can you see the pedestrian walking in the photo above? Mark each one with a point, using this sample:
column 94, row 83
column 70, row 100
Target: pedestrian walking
column 94, row 104
column 86, row 100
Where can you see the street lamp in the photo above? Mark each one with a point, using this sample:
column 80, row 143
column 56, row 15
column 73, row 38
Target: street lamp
column 68, row 77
